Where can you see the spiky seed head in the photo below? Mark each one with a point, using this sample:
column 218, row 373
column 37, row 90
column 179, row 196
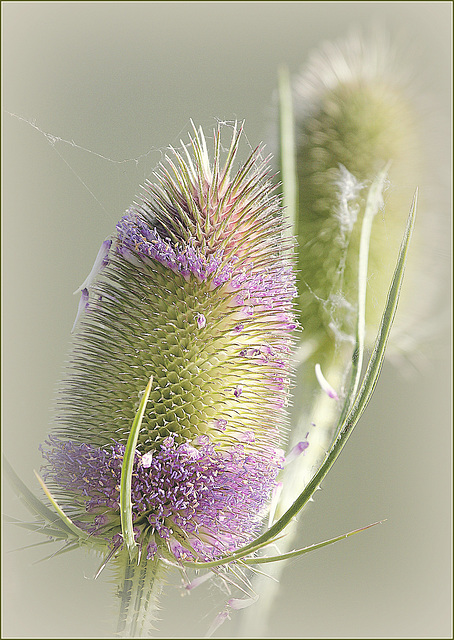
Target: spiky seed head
column 354, row 114
column 197, row 293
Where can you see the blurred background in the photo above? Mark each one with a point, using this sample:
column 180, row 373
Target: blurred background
column 119, row 82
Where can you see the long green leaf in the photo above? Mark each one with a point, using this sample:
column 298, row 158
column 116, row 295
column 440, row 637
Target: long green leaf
column 31, row 546
column 32, row 502
column 126, row 473
column 44, row 530
column 77, row 531
column 71, row 546
column 367, row 387
column 238, row 555
column 313, row 547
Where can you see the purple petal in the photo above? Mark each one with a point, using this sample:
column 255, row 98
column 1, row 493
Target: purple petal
column 101, row 261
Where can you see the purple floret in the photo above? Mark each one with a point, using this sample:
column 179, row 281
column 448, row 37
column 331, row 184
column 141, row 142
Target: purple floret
column 257, row 290
column 212, row 498
column 135, row 234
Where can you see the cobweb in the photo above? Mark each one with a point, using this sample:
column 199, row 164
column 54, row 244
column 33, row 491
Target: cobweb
column 133, row 170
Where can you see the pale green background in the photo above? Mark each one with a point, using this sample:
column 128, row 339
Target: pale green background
column 122, row 80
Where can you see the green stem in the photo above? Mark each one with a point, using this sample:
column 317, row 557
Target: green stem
column 287, row 151
column 141, row 587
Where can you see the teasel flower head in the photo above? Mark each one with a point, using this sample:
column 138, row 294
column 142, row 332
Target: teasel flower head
column 193, row 292
column 356, row 113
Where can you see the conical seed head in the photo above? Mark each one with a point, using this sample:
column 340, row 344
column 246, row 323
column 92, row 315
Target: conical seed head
column 197, row 293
